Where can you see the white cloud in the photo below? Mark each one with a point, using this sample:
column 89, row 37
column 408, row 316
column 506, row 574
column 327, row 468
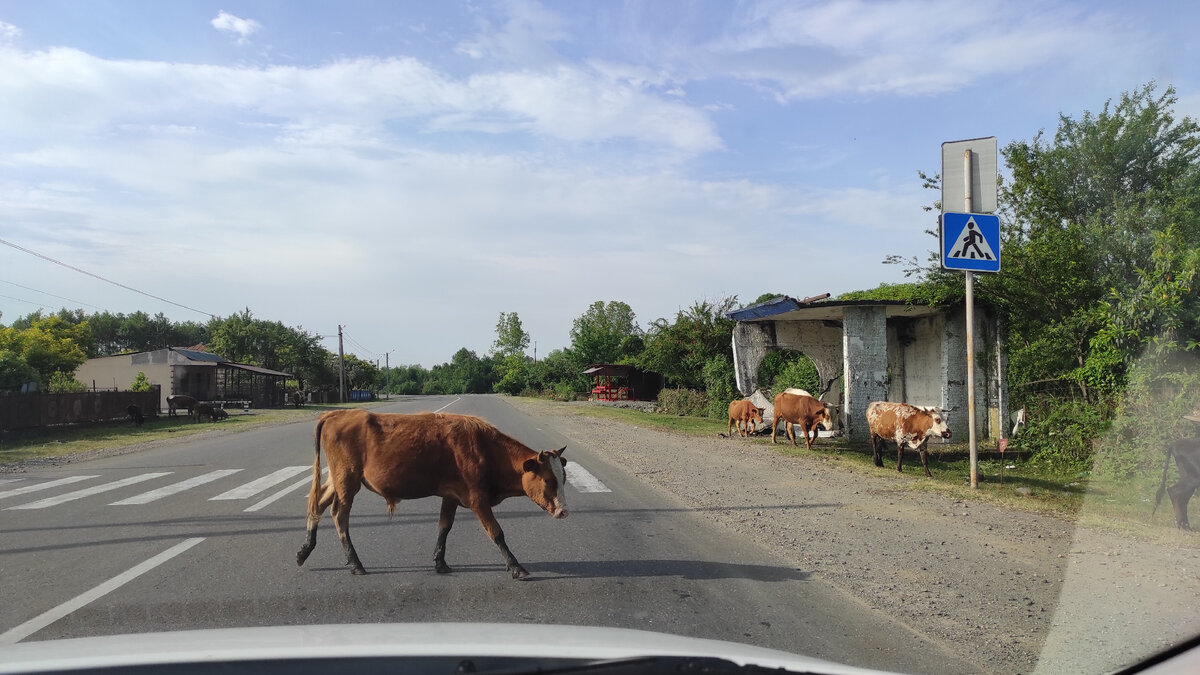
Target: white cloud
column 907, row 47
column 8, row 32
column 243, row 28
column 64, row 90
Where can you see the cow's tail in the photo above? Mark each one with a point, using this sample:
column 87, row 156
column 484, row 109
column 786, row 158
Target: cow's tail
column 314, row 494
column 1162, row 487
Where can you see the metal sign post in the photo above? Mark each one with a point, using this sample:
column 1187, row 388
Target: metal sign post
column 977, row 250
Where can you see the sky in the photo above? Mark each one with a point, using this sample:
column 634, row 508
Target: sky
column 410, row 170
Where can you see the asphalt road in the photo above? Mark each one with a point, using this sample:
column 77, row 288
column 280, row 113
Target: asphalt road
column 203, row 533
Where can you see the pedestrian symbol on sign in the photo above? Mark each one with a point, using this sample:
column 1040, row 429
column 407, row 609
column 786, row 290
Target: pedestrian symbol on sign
column 971, row 244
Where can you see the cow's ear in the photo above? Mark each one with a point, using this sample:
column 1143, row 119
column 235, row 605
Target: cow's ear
column 762, row 410
column 531, row 466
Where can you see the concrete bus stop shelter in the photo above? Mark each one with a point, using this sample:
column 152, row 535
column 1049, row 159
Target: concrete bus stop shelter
column 880, row 350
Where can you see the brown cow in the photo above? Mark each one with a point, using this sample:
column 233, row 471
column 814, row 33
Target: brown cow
column 135, row 413
column 202, row 409
column 806, row 411
column 904, row 425
column 460, row 458
column 1186, row 452
column 743, row 411
column 297, row 398
column 177, row 401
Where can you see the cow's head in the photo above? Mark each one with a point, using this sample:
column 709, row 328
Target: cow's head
column 938, row 424
column 756, row 414
column 826, row 418
column 545, row 481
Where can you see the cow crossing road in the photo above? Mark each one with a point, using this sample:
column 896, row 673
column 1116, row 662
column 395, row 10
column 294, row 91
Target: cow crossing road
column 578, row 477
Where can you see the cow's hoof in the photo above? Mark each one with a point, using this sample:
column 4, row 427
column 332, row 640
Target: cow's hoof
column 520, row 573
column 357, row 571
column 442, row 568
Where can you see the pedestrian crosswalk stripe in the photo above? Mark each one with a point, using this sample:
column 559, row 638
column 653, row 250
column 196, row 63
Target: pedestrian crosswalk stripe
column 88, row 492
column 43, row 486
column 254, row 487
column 152, row 495
column 581, row 479
column 283, row 493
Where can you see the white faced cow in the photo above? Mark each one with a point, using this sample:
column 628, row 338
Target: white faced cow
column 905, row 425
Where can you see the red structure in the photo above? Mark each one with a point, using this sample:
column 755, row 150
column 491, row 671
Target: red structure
column 611, row 382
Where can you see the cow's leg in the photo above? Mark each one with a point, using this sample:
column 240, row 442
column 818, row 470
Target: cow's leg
column 484, row 513
column 804, row 429
column 341, row 521
column 791, row 430
column 774, row 427
column 925, row 459
column 314, row 517
column 900, row 457
column 729, row 430
column 445, row 522
column 1181, row 493
column 876, row 447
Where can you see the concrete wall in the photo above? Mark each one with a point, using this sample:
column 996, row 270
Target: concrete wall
column 118, row 372
column 865, row 363
column 915, row 360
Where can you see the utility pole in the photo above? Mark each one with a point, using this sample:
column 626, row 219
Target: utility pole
column 387, row 393
column 341, row 368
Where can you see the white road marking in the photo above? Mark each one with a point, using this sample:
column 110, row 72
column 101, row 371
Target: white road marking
column 44, row 619
column 10, row 480
column 582, row 480
column 88, row 492
column 43, row 486
column 448, row 405
column 283, row 493
column 147, row 497
column 254, row 487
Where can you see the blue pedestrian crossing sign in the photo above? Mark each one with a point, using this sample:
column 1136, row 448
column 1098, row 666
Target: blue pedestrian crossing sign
column 971, row 242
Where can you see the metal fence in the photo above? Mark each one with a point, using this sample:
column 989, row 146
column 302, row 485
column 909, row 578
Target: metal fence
column 27, row 411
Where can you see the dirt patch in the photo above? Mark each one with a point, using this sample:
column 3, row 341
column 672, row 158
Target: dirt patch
column 1010, row 590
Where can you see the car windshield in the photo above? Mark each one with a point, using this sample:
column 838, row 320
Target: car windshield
column 860, row 331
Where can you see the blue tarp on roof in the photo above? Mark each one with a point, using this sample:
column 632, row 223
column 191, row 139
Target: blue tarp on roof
column 198, row 356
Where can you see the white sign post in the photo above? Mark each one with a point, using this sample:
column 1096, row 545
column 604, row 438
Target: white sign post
column 970, row 164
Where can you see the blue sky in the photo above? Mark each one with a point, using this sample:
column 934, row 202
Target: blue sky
column 410, row 170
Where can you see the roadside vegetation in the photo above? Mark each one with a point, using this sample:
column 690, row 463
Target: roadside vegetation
column 1097, row 295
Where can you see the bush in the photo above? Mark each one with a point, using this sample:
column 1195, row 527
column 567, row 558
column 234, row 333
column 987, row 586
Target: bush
column 720, row 385
column 140, row 383
column 1061, row 434
column 65, row 383
column 687, row 402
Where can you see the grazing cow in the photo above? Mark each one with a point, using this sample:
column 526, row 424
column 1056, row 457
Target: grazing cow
column 805, row 411
column 460, row 458
column 1186, row 452
column 219, row 413
column 177, row 401
column 202, row 409
column 135, row 414
column 746, row 412
column 904, row 425
column 297, row 398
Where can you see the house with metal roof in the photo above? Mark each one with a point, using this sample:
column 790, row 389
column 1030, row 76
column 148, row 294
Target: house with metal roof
column 881, row 350
column 178, row 370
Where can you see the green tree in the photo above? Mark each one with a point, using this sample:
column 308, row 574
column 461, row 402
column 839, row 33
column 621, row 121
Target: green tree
column 511, row 337
column 47, row 346
column 679, row 350
column 598, row 335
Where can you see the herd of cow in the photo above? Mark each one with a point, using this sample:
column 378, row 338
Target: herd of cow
column 905, row 425
column 197, row 410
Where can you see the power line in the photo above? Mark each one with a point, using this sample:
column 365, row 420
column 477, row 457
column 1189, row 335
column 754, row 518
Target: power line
column 29, row 288
column 108, row 281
